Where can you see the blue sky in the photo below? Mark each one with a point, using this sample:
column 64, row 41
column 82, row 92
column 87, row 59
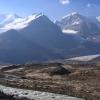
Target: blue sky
column 54, row 9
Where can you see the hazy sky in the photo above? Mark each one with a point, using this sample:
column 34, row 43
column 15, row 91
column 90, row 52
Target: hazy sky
column 54, row 9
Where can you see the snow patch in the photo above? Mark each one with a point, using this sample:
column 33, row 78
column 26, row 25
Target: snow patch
column 76, row 23
column 36, row 95
column 98, row 18
column 69, row 15
column 69, row 31
column 8, row 19
column 85, row 58
column 19, row 23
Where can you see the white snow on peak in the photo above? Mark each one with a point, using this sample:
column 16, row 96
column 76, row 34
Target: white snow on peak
column 69, row 15
column 9, row 18
column 33, row 17
column 76, row 23
column 85, row 58
column 71, row 20
column 69, row 31
column 19, row 23
column 98, row 18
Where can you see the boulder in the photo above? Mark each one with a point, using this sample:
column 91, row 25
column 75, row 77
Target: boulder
column 58, row 71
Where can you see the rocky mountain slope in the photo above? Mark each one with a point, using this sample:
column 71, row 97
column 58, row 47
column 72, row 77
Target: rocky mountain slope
column 37, row 38
column 78, row 24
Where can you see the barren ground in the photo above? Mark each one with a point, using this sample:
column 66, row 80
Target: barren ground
column 83, row 80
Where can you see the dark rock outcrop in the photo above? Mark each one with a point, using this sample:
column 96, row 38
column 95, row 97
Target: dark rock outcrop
column 58, row 71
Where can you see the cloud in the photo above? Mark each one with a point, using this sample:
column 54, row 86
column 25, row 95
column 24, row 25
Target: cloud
column 88, row 5
column 64, row 2
column 91, row 5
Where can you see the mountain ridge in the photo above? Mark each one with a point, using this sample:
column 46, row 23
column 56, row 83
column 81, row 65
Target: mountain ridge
column 78, row 24
column 37, row 38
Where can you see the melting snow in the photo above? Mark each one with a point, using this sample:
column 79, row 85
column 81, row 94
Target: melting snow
column 69, row 31
column 85, row 58
column 36, row 95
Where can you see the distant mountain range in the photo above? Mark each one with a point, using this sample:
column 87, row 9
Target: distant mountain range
column 37, row 38
column 77, row 24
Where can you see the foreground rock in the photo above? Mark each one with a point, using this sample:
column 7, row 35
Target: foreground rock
column 74, row 79
column 58, row 71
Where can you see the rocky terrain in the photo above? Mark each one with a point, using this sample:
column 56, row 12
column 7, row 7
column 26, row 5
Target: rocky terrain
column 78, row 79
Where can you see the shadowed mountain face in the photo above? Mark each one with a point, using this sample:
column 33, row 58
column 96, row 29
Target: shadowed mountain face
column 15, row 48
column 36, row 38
column 47, row 34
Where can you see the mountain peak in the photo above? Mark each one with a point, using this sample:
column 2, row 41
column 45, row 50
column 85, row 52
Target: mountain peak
column 17, row 23
column 36, row 15
column 75, row 23
column 6, row 19
column 13, row 16
column 71, row 14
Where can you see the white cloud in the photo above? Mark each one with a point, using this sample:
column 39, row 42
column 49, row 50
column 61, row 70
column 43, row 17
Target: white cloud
column 91, row 5
column 88, row 5
column 64, row 2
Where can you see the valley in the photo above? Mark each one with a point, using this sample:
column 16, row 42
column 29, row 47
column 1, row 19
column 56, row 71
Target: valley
column 50, row 50
column 77, row 79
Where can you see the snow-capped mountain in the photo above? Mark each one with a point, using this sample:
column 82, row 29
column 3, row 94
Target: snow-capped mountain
column 16, row 22
column 76, row 23
column 98, row 18
column 6, row 19
column 37, row 38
